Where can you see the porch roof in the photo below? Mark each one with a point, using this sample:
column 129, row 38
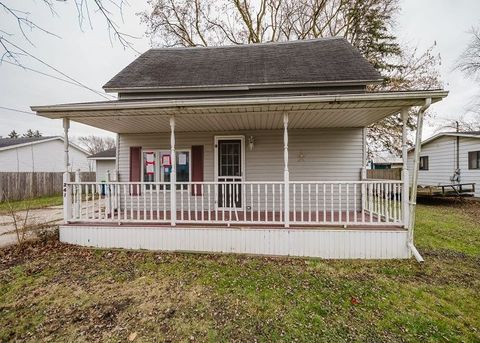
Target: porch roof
column 230, row 114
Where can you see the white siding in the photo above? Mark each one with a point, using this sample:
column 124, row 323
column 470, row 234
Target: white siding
column 329, row 154
column 42, row 157
column 328, row 243
column 442, row 162
column 101, row 169
column 469, row 175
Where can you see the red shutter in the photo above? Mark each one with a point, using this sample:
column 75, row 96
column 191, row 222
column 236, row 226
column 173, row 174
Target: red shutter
column 135, row 167
column 197, row 168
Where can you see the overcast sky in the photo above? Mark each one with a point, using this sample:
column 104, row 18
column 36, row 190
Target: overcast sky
column 88, row 56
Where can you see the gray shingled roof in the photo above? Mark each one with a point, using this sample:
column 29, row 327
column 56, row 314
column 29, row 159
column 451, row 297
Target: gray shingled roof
column 4, row 142
column 105, row 154
column 328, row 60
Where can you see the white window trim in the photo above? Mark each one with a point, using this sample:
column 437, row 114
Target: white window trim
column 215, row 157
column 215, row 169
column 158, row 166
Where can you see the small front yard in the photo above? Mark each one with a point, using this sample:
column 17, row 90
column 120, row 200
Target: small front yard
column 36, row 203
column 56, row 292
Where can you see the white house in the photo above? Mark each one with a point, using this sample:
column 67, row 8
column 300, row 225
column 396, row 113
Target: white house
column 40, row 154
column 450, row 158
column 105, row 162
column 245, row 149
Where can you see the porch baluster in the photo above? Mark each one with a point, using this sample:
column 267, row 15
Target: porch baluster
column 202, row 194
column 348, row 204
column 355, row 202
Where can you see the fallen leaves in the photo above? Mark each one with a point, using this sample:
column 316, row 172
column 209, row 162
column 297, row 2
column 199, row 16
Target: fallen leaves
column 132, row 336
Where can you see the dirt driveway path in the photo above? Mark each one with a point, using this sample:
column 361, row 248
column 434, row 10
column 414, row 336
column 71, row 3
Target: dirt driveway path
column 51, row 215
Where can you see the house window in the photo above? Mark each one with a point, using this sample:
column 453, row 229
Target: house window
column 474, row 160
column 149, row 166
column 154, row 171
column 423, row 163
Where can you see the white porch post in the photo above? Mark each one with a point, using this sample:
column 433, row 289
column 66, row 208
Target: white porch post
column 405, row 173
column 67, row 191
column 416, row 163
column 173, row 174
column 363, row 173
column 66, row 127
column 286, row 173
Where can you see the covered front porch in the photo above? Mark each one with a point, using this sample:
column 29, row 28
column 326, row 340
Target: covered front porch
column 353, row 216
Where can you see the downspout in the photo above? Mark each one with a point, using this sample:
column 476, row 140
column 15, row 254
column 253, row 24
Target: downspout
column 457, row 171
column 416, row 163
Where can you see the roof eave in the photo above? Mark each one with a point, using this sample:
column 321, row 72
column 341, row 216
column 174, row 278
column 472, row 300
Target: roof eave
column 58, row 111
column 240, row 86
column 446, row 134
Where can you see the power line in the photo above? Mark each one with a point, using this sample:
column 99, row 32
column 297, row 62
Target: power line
column 42, row 73
column 58, row 71
column 15, row 110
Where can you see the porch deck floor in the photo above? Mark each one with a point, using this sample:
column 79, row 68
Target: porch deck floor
column 248, row 219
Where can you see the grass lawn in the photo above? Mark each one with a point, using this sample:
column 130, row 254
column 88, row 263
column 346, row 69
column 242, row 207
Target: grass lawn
column 50, row 291
column 32, row 203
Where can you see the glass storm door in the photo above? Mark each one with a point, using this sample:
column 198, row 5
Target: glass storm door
column 229, row 171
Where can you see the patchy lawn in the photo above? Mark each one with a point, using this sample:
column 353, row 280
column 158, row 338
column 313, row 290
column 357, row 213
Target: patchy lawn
column 50, row 291
column 35, row 203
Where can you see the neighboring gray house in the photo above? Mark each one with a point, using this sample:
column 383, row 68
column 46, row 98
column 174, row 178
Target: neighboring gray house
column 104, row 161
column 40, row 154
column 245, row 149
column 445, row 153
column 385, row 161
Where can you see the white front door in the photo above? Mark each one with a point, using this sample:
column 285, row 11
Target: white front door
column 229, row 170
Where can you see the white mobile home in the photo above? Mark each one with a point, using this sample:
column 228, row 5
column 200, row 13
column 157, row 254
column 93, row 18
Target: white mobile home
column 40, row 154
column 244, row 149
column 450, row 158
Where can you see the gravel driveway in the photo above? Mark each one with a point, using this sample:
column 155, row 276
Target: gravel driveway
column 51, row 215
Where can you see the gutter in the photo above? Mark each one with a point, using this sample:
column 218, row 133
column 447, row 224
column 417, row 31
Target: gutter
column 120, row 105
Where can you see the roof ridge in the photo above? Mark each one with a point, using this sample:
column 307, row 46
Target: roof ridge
column 296, row 41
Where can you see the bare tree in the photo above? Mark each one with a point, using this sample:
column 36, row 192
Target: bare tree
column 13, row 52
column 96, row 144
column 20, row 218
column 469, row 61
column 464, row 123
column 469, row 64
column 366, row 24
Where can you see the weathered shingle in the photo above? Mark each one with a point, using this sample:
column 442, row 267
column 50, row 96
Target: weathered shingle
column 4, row 142
column 328, row 60
column 105, row 154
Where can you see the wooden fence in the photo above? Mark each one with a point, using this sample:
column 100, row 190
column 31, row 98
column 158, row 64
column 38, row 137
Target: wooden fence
column 385, row 174
column 24, row 185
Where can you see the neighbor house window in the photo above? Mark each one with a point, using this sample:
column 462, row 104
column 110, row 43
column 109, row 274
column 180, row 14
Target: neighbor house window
column 155, row 171
column 423, row 163
column 474, row 160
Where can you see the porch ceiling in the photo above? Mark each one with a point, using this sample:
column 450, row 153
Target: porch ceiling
column 355, row 110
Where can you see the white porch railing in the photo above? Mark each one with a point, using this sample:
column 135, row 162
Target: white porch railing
column 310, row 203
